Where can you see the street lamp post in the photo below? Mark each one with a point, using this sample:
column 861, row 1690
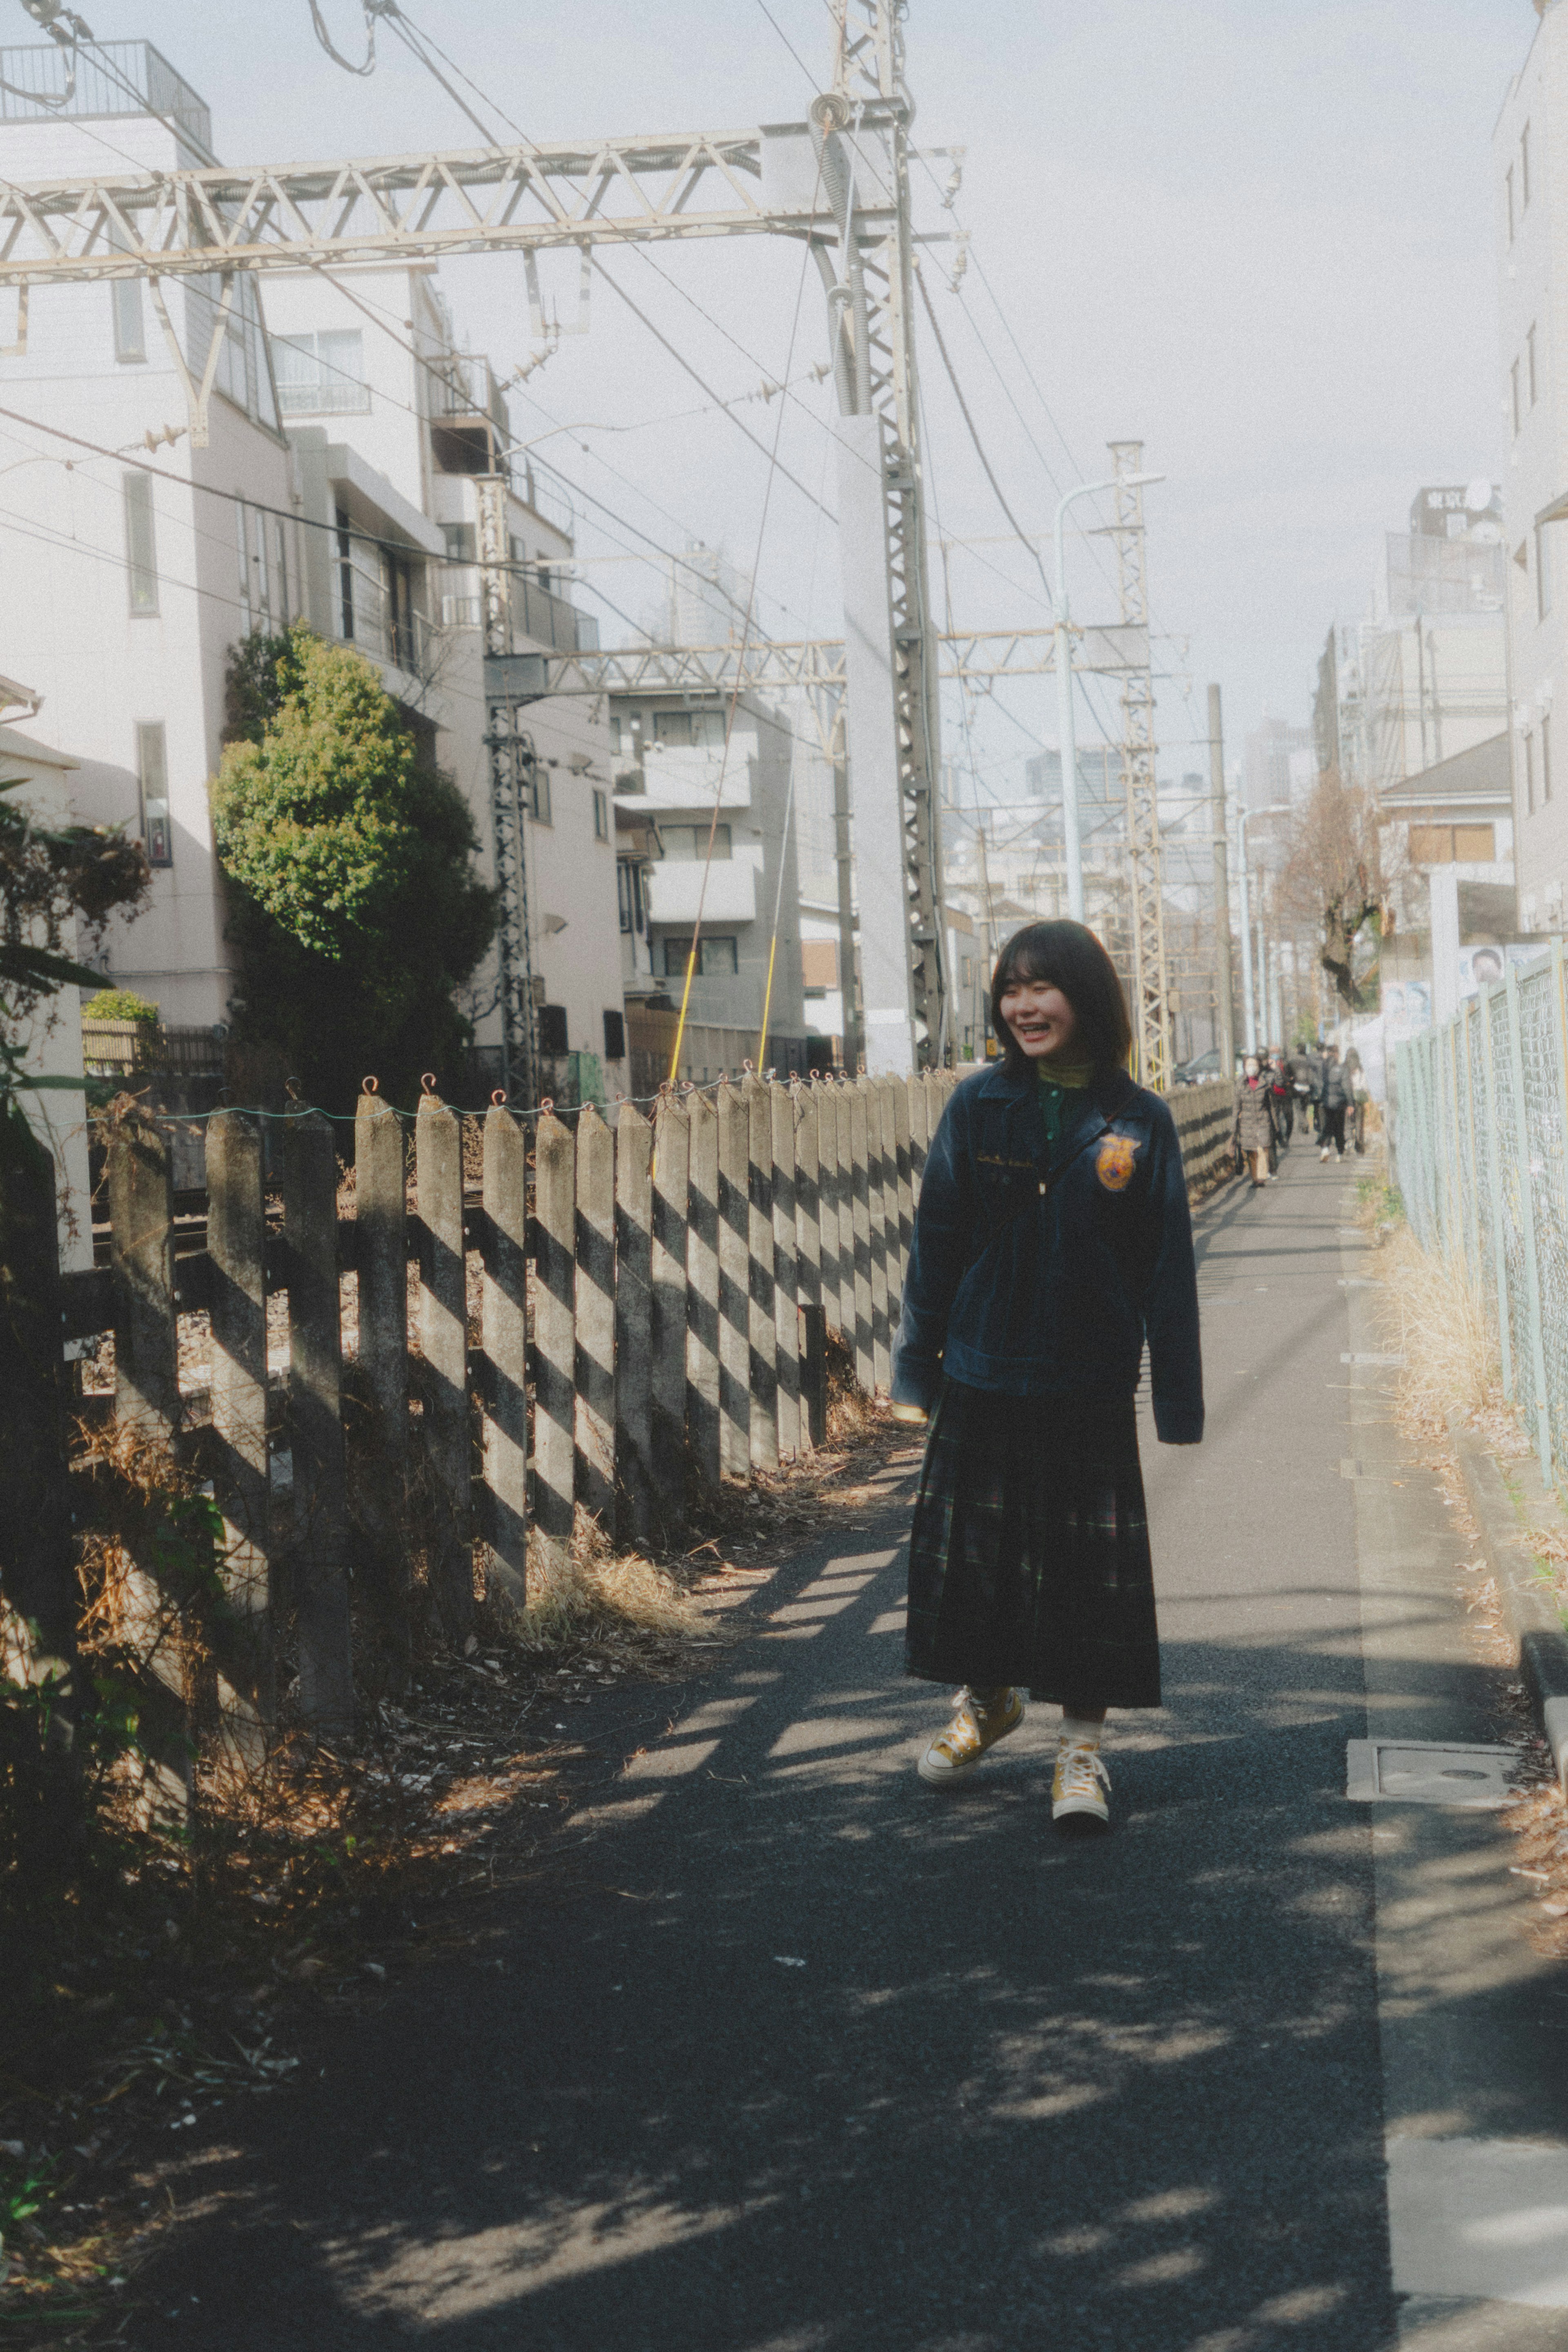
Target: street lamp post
column 1249, row 1007
column 1066, row 719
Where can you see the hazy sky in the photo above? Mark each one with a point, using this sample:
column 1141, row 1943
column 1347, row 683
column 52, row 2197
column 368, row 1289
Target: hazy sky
column 1256, row 234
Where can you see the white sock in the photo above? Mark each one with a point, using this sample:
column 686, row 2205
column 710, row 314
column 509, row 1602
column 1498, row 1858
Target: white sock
column 1077, row 1733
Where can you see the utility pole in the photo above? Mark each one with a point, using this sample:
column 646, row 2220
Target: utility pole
column 1224, row 1011
column 860, row 130
column 510, row 752
column 1151, row 994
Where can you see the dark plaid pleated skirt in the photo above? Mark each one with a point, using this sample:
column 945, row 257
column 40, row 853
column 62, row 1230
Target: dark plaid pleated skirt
column 1029, row 1560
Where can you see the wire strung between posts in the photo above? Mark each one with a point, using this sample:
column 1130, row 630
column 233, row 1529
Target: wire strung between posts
column 668, row 1092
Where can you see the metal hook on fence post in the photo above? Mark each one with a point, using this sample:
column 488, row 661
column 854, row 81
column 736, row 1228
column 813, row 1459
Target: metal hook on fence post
column 370, row 1086
column 427, row 1082
column 498, row 1097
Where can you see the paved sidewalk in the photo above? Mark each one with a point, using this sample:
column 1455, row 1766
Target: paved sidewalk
column 804, row 2057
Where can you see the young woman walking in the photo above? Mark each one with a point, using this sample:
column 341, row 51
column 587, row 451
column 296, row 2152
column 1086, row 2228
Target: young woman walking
column 1051, row 1240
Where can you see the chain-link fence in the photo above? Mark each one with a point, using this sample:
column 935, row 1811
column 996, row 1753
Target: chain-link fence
column 1480, row 1134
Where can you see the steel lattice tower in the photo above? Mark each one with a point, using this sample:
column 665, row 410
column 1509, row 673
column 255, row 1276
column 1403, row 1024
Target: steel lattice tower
column 1151, row 998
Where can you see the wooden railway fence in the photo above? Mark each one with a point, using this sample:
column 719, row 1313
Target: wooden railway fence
column 502, row 1321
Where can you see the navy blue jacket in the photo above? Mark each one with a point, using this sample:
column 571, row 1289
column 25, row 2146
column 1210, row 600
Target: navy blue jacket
column 1039, row 1276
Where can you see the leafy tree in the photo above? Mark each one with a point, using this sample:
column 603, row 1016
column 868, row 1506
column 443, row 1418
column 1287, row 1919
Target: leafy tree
column 355, row 901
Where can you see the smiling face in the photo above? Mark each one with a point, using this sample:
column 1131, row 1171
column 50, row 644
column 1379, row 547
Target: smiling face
column 1041, row 1019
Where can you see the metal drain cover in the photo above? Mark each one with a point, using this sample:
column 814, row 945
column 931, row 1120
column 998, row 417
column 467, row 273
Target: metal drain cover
column 1431, row 1772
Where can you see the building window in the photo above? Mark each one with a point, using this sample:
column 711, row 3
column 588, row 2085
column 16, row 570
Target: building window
column 820, row 964
column 1524, row 168
column 552, row 1029
column 686, row 845
column 1542, row 570
column 153, row 788
column 345, row 576
column 631, row 896
column 1507, row 190
column 716, row 959
column 680, row 728
column 1531, row 378
column 461, row 546
column 1513, row 399
column 600, row 815
column 1529, row 775
column 321, row 376
column 539, row 795
column 141, row 546
column 1453, row 845
column 283, row 611
column 130, row 331
column 1545, row 759
column 614, row 1036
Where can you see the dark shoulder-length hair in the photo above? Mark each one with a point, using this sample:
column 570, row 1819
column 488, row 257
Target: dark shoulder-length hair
column 1067, row 956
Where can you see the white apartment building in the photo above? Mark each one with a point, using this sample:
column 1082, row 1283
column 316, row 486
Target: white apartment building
column 396, row 436
column 347, row 440
column 119, row 587
column 1529, row 170
column 671, row 747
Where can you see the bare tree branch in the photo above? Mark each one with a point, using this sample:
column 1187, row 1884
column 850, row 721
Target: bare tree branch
column 1336, row 874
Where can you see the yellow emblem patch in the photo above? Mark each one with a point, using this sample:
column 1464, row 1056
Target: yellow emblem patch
column 1113, row 1162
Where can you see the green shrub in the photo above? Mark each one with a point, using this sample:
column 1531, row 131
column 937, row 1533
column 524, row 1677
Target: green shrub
column 354, row 904
column 120, row 1004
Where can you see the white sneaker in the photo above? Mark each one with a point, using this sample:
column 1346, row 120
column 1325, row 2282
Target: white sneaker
column 1324, row 1152
column 1076, row 1791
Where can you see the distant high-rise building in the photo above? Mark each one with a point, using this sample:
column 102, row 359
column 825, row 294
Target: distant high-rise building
column 1267, row 755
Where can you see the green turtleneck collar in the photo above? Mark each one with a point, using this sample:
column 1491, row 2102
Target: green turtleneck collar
column 1055, row 1085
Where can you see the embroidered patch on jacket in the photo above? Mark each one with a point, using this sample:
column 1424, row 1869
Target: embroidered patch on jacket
column 1113, row 1162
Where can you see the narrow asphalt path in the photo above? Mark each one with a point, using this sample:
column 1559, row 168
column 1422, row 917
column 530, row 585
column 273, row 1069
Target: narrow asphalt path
column 811, row 2059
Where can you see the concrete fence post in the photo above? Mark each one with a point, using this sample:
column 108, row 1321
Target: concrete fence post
column 378, row 1451
column 635, row 1509
column 595, row 1357
column 901, row 1195
column 844, row 1192
column 667, row 1340
column 141, row 1266
column 919, row 1099
column 824, row 1100
column 241, row 1478
column 703, row 1415
column 446, row 1442
column 504, row 1336
column 319, row 1547
column 807, row 1103
column 762, row 1343
column 877, row 1190
column 860, row 1213
column 786, row 1279
column 147, row 1389
column 555, row 1342
column 734, row 1283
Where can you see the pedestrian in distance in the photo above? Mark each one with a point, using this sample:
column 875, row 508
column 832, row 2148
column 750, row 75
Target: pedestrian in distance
column 1335, row 1103
column 1305, row 1084
column 1284, row 1101
column 1254, row 1132
column 1052, row 1241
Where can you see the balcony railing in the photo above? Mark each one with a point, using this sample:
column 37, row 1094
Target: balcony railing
column 537, row 612
column 41, row 88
